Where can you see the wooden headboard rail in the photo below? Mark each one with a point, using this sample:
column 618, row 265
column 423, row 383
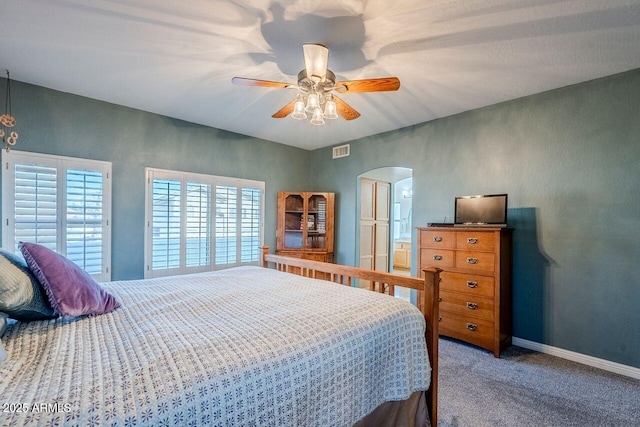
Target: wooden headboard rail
column 428, row 296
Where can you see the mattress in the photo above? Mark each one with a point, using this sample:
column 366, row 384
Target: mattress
column 246, row 346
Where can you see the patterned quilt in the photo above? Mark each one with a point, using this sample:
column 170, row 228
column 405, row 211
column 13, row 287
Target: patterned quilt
column 241, row 347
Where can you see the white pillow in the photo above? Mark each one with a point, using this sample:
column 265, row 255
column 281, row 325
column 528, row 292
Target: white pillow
column 3, row 326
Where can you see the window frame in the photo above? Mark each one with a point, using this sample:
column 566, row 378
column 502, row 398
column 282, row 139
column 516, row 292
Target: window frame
column 213, row 181
column 62, row 164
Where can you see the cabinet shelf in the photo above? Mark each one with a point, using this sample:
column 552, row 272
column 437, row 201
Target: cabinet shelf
column 305, row 225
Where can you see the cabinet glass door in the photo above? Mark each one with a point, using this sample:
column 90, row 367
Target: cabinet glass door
column 294, row 222
column 316, row 222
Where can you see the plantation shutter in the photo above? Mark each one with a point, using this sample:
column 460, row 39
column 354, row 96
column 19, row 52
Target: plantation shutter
column 251, row 224
column 226, row 224
column 198, row 243
column 84, row 217
column 62, row 203
column 166, row 224
column 199, row 222
column 35, row 205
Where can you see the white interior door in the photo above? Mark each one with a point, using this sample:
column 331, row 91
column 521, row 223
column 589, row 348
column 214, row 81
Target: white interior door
column 375, row 198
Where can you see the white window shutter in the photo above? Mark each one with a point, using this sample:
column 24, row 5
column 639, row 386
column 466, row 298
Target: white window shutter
column 251, row 225
column 62, row 203
column 84, row 219
column 199, row 222
column 35, row 205
column 198, row 232
column 166, row 224
column 226, row 224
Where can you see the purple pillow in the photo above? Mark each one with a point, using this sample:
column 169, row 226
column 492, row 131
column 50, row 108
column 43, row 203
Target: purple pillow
column 71, row 290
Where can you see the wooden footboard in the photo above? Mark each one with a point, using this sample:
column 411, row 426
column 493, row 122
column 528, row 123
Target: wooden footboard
column 428, row 294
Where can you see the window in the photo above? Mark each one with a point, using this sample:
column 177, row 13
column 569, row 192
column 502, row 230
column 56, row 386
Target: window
column 62, row 203
column 201, row 222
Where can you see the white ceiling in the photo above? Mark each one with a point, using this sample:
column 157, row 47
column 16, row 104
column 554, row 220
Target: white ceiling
column 177, row 58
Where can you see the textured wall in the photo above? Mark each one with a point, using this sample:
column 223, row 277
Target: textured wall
column 57, row 123
column 570, row 161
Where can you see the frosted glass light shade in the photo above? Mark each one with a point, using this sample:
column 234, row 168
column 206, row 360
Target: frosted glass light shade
column 316, row 118
column 298, row 110
column 312, row 102
column 330, row 110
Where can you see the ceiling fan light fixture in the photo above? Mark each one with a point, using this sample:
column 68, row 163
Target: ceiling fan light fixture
column 315, row 58
column 330, row 111
column 317, row 118
column 313, row 102
column 317, row 86
column 298, row 109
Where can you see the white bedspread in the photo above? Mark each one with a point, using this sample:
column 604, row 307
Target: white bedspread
column 240, row 347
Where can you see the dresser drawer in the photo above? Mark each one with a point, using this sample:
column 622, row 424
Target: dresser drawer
column 438, row 239
column 474, row 331
column 467, row 305
column 478, row 261
column 476, row 241
column 482, row 286
column 436, row 258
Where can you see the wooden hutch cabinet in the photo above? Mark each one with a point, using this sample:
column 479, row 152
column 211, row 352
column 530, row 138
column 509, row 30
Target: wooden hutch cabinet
column 305, row 225
column 475, row 283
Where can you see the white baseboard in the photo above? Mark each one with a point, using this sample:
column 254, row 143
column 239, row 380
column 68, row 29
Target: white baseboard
column 618, row 368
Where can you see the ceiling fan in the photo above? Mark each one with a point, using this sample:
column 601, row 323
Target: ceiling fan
column 317, row 88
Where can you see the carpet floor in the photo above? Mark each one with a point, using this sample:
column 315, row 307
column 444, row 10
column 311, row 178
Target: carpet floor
column 527, row 388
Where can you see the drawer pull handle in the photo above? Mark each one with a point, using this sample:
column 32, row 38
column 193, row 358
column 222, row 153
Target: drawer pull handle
column 439, row 319
column 472, row 327
column 472, row 306
column 437, row 257
column 472, row 284
column 437, row 239
column 439, row 299
column 472, row 240
column 472, row 260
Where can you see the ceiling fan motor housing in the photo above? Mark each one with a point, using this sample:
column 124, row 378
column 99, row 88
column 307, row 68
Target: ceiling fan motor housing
column 309, row 85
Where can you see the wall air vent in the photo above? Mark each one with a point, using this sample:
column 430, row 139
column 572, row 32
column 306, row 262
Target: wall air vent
column 341, row 151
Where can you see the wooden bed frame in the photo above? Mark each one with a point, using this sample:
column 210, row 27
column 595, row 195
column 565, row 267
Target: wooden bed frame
column 428, row 296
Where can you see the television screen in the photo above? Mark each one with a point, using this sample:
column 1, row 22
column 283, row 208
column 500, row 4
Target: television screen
column 481, row 210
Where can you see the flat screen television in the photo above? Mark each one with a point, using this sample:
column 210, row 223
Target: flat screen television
column 487, row 210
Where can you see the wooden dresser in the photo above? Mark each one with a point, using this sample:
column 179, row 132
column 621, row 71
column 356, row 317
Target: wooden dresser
column 475, row 285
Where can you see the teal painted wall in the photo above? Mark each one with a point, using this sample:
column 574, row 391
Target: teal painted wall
column 59, row 123
column 570, row 161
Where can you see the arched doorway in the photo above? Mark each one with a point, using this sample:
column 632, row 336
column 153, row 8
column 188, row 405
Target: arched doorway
column 384, row 218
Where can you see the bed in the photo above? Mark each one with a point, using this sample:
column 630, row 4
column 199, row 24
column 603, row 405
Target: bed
column 246, row 346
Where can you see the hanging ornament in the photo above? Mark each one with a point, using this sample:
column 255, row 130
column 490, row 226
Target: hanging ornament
column 7, row 121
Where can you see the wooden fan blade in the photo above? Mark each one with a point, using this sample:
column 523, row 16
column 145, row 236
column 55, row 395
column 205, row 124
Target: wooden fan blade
column 345, row 110
column 243, row 81
column 285, row 111
column 368, row 85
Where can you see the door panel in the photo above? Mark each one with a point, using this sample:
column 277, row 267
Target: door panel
column 375, row 197
column 383, row 200
column 382, row 247
column 367, row 199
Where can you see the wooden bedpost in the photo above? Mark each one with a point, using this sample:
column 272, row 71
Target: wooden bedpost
column 430, row 309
